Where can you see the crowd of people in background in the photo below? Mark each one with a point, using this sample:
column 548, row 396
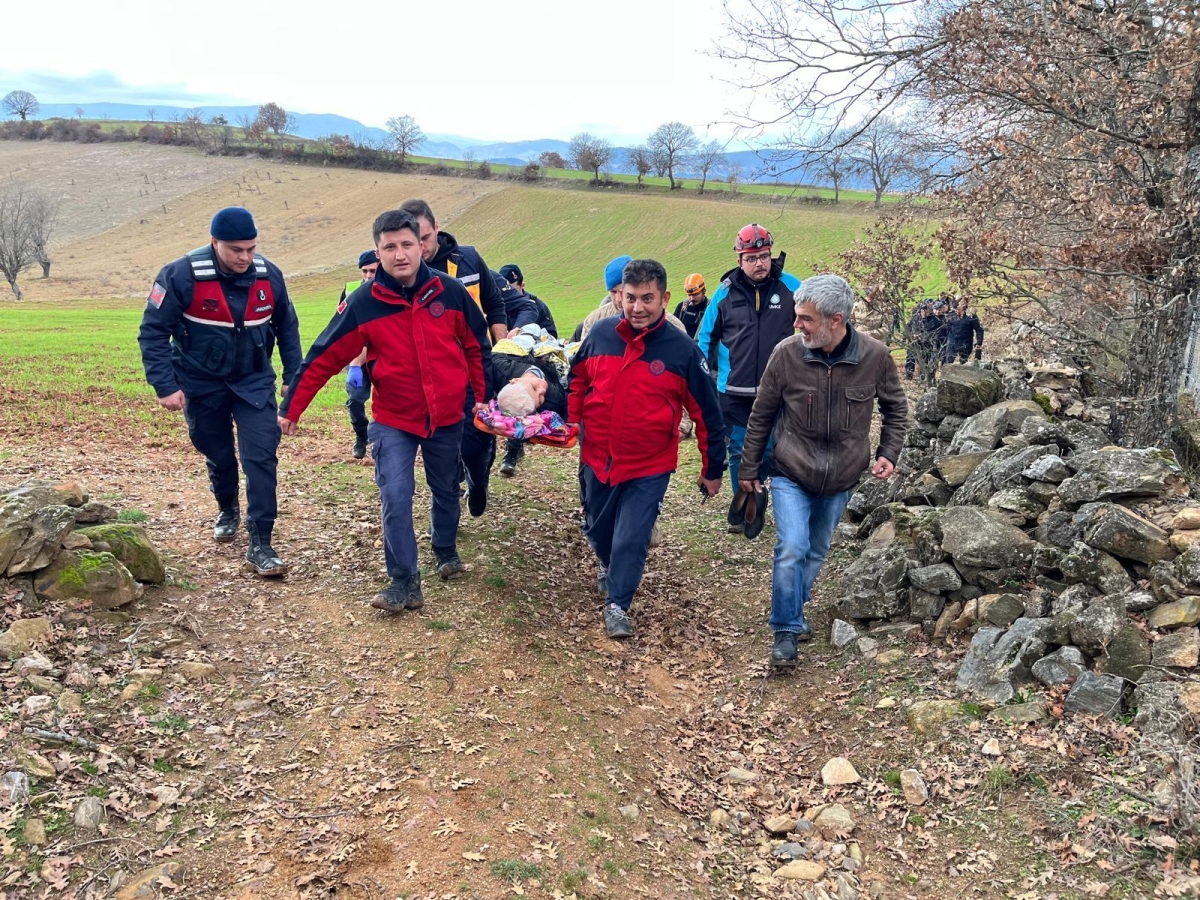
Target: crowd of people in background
column 941, row 330
column 769, row 374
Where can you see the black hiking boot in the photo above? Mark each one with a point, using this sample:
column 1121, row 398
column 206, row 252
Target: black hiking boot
column 477, row 498
column 516, row 450
column 261, row 557
column 360, row 447
column 449, row 566
column 403, row 593
column 783, row 654
column 228, row 519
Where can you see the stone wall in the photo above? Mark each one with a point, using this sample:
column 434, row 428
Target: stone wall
column 1067, row 560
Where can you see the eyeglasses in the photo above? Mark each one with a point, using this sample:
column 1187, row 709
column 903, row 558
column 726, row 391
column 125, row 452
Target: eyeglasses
column 757, row 258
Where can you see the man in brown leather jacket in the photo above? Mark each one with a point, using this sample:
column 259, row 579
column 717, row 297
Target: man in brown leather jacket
column 817, row 395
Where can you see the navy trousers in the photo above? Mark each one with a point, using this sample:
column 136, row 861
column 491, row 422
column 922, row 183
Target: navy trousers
column 211, row 420
column 619, row 520
column 477, row 450
column 395, row 454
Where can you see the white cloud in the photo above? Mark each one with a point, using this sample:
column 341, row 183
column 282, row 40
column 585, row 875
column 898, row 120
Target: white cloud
column 495, row 71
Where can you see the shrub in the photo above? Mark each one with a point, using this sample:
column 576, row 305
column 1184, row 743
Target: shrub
column 484, row 171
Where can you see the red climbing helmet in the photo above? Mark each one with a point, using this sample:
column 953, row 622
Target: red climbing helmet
column 752, row 237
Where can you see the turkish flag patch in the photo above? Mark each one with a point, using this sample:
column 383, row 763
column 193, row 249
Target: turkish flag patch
column 157, row 294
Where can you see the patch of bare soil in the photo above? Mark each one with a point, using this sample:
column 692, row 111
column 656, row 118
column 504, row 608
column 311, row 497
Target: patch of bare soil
column 496, row 743
column 128, row 208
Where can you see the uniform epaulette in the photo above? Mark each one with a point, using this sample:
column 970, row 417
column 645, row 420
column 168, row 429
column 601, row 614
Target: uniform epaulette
column 204, row 268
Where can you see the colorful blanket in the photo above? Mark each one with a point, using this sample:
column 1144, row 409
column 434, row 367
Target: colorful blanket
column 539, row 428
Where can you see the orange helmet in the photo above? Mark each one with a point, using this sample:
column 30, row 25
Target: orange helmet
column 693, row 284
column 752, row 237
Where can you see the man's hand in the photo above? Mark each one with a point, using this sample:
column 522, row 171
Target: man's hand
column 751, row 487
column 354, row 377
column 710, row 486
column 477, row 408
column 174, row 402
column 287, row 426
column 882, row 468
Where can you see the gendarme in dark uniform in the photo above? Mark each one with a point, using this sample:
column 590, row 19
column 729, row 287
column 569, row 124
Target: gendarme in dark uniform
column 207, row 335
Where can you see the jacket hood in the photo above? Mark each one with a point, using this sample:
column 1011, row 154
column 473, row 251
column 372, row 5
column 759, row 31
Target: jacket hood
column 446, row 245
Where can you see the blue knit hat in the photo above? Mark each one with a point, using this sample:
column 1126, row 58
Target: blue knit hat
column 614, row 272
column 367, row 258
column 233, row 223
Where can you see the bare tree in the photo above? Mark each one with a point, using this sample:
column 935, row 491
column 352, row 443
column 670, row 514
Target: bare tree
column 835, row 164
column 590, row 153
column 673, row 142
column 1064, row 196
column 733, row 176
column 152, row 114
column 21, row 103
column 469, row 159
column 881, row 150
column 274, row 117
column 218, row 119
column 709, row 157
column 193, row 126
column 642, row 161
column 406, row 135
column 552, row 159
column 42, row 213
column 79, row 112
column 16, row 236
column 659, row 159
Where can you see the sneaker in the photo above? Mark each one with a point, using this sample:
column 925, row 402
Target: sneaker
column 360, row 448
column 449, row 566
column 602, row 583
column 655, row 535
column 477, row 501
column 783, row 654
column 616, row 622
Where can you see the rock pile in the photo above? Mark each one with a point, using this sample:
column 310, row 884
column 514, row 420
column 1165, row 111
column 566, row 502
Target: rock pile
column 1069, row 560
column 56, row 544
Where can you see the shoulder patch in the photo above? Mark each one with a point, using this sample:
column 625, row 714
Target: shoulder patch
column 704, row 365
column 341, row 307
column 157, row 294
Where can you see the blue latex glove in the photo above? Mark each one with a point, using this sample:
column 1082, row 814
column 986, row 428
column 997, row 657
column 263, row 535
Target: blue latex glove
column 354, row 377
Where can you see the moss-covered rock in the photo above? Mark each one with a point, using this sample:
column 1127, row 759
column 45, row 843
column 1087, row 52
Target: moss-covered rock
column 97, row 577
column 130, row 544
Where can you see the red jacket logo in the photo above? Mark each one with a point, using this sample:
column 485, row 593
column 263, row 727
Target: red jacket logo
column 436, row 308
column 658, row 367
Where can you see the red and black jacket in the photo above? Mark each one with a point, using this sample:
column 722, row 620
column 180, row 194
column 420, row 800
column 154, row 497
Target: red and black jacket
column 627, row 391
column 425, row 344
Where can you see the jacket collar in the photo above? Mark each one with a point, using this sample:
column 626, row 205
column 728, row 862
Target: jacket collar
column 447, row 244
column 388, row 289
column 625, row 330
column 849, row 355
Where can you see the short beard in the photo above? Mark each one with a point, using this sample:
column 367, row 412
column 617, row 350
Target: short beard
column 818, row 338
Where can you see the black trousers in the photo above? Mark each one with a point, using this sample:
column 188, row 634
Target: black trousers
column 212, row 419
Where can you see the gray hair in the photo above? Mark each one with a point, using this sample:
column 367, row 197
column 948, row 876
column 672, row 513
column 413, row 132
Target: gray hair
column 830, row 294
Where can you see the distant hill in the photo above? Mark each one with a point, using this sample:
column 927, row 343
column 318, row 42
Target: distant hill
column 442, row 146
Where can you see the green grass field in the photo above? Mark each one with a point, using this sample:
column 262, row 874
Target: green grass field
column 78, row 361
column 562, row 239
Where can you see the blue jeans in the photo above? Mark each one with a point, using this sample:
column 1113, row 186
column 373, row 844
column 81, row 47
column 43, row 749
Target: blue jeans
column 619, row 520
column 804, row 526
column 395, row 453
column 737, row 437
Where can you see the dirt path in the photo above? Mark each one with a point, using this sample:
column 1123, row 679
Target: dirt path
column 496, row 743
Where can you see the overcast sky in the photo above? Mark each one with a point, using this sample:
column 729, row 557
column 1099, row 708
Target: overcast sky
column 490, row 70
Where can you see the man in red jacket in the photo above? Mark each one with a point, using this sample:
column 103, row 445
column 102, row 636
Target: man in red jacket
column 426, row 342
column 630, row 382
